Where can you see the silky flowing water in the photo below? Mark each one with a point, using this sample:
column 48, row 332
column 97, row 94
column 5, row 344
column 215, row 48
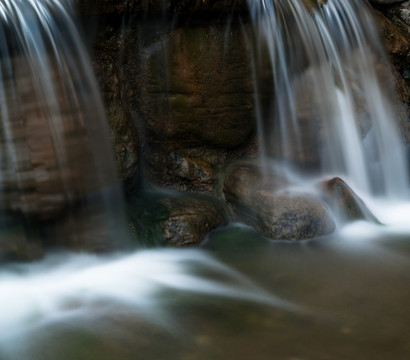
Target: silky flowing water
column 239, row 295
column 332, row 109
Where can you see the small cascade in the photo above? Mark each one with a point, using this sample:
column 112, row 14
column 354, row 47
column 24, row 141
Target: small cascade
column 58, row 175
column 332, row 109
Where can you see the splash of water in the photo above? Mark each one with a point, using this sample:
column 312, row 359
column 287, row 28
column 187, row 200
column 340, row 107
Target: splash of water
column 331, row 111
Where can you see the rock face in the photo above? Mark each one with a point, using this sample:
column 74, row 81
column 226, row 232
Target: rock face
column 274, row 213
column 196, row 90
column 50, row 173
column 395, row 27
column 179, row 90
column 385, row 1
column 118, row 100
column 99, row 7
column 186, row 89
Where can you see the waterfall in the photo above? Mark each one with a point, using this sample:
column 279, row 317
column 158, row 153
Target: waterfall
column 332, row 111
column 330, row 114
column 58, row 174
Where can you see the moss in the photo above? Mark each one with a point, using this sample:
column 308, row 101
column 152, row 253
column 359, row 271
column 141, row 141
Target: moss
column 145, row 213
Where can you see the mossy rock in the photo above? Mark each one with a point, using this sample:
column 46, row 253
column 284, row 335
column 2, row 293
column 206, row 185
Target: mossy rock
column 191, row 219
column 174, row 219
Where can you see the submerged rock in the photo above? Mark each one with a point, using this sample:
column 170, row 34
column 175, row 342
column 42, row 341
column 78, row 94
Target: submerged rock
column 263, row 202
column 236, row 238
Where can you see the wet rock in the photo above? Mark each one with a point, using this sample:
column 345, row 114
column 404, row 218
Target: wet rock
column 395, row 38
column 395, row 27
column 92, row 7
column 186, row 89
column 179, row 99
column 404, row 12
column 174, row 219
column 385, row 1
column 191, row 219
column 47, row 151
column 265, row 204
column 14, row 246
column 183, row 173
column 197, row 89
column 55, row 166
column 395, row 32
column 345, row 202
column 117, row 100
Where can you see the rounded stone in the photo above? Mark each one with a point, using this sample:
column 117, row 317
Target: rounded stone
column 275, row 212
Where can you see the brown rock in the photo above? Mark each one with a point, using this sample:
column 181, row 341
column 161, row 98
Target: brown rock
column 261, row 202
column 118, row 100
column 92, row 7
column 191, row 219
column 345, row 201
column 197, row 91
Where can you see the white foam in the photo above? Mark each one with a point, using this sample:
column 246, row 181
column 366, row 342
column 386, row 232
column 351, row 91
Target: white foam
column 68, row 285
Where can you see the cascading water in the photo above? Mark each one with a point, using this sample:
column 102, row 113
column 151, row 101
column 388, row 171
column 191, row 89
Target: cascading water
column 59, row 184
column 57, row 172
column 56, row 164
column 332, row 110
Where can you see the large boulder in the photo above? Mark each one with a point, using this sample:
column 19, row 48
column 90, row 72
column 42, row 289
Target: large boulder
column 263, row 202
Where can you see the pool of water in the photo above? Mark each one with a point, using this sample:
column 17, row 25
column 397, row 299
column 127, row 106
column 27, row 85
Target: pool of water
column 240, row 296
